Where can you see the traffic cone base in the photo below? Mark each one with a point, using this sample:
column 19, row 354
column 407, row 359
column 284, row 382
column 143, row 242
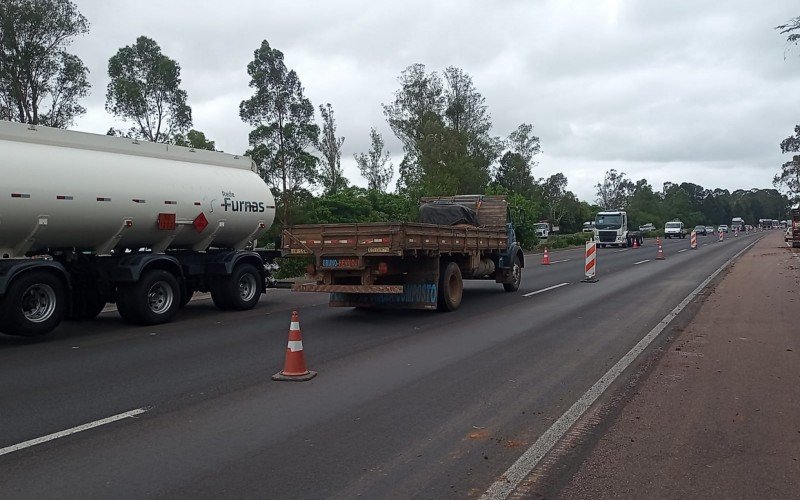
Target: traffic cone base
column 294, row 367
column 545, row 258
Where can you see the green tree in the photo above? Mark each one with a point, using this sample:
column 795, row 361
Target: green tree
column 193, row 139
column 789, row 176
column 40, row 83
column 788, row 29
column 284, row 126
column 614, row 191
column 523, row 142
column 443, row 126
column 556, row 197
column 330, row 146
column 514, row 174
column 373, row 164
column 145, row 89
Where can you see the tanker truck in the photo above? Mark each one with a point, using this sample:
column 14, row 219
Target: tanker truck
column 87, row 220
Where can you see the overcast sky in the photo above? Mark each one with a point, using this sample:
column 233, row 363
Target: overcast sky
column 667, row 90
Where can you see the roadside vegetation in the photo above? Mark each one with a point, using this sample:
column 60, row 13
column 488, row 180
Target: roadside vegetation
column 449, row 144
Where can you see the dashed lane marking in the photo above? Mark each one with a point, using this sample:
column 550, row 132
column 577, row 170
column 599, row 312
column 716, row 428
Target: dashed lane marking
column 546, row 289
column 641, row 262
column 508, row 482
column 679, row 251
column 73, row 430
column 557, row 261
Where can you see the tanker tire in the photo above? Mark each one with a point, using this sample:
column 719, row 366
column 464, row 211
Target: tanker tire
column 153, row 300
column 34, row 305
column 219, row 297
column 241, row 290
column 516, row 271
column 451, row 287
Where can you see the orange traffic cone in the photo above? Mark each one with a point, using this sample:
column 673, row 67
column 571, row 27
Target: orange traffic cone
column 545, row 258
column 294, row 368
column 660, row 255
column 635, row 243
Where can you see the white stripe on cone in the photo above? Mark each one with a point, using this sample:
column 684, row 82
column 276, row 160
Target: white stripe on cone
column 295, row 345
column 295, row 325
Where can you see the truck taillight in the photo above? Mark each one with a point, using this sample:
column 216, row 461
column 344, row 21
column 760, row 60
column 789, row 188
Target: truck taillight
column 383, row 268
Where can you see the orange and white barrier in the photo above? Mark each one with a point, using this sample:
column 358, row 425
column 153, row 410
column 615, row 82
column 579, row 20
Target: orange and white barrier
column 590, row 267
column 660, row 255
column 721, row 236
column 693, row 240
column 294, row 367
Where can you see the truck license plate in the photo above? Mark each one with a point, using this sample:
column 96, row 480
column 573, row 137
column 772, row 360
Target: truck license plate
column 340, row 262
column 377, row 249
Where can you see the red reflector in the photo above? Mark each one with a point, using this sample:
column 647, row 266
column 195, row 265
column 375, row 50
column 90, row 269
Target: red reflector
column 128, row 223
column 200, row 222
column 166, row 221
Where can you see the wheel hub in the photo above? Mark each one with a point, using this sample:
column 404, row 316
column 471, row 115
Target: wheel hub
column 38, row 303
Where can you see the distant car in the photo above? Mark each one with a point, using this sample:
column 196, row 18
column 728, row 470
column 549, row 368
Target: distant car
column 674, row 229
column 647, row 227
column 710, row 230
column 701, row 230
column 723, row 228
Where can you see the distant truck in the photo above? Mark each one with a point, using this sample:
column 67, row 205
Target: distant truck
column 588, row 226
column 674, row 229
column 542, row 230
column 737, row 224
column 611, row 228
column 412, row 265
column 89, row 219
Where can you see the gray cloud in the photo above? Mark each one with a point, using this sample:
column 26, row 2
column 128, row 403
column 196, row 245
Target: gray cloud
column 694, row 91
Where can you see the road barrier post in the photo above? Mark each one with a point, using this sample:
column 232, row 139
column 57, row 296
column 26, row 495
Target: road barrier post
column 721, row 236
column 693, row 240
column 660, row 255
column 590, row 262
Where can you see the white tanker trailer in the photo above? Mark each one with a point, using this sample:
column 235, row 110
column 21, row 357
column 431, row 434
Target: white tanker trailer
column 88, row 219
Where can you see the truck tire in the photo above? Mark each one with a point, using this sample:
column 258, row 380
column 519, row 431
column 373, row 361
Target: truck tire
column 516, row 272
column 241, row 290
column 34, row 305
column 152, row 300
column 451, row 287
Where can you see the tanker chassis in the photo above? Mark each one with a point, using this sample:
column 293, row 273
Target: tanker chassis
column 87, row 220
column 410, row 265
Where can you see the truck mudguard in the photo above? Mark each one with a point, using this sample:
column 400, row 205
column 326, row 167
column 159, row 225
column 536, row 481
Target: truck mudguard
column 11, row 268
column 130, row 267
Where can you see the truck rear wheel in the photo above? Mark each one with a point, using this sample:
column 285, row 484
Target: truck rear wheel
column 153, row 300
column 241, row 290
column 451, row 287
column 516, row 272
column 34, row 305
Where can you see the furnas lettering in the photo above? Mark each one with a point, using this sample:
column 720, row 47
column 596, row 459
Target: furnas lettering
column 243, row 206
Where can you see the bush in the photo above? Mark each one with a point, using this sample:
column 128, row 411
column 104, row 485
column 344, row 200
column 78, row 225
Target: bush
column 292, row 267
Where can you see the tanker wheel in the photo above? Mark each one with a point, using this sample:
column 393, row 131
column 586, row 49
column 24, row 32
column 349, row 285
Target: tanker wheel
column 451, row 287
column 34, row 305
column 240, row 291
column 516, row 272
column 152, row 300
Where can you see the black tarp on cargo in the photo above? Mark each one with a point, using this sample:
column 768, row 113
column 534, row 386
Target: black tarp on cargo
column 446, row 214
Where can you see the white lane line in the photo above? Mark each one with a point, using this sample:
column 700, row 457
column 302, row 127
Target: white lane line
column 557, row 261
column 509, row 481
column 679, row 251
column 623, row 250
column 546, row 289
column 641, row 262
column 56, row 435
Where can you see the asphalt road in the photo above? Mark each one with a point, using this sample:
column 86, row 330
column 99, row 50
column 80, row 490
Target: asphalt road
column 406, row 403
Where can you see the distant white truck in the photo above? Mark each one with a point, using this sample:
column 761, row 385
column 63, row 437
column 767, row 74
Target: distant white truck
column 542, row 229
column 611, row 228
column 674, row 229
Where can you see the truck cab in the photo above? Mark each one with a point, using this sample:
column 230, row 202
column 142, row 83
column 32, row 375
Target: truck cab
column 674, row 229
column 611, row 228
column 542, row 230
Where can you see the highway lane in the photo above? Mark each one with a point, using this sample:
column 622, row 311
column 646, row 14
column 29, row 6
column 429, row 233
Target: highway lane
column 406, row 402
